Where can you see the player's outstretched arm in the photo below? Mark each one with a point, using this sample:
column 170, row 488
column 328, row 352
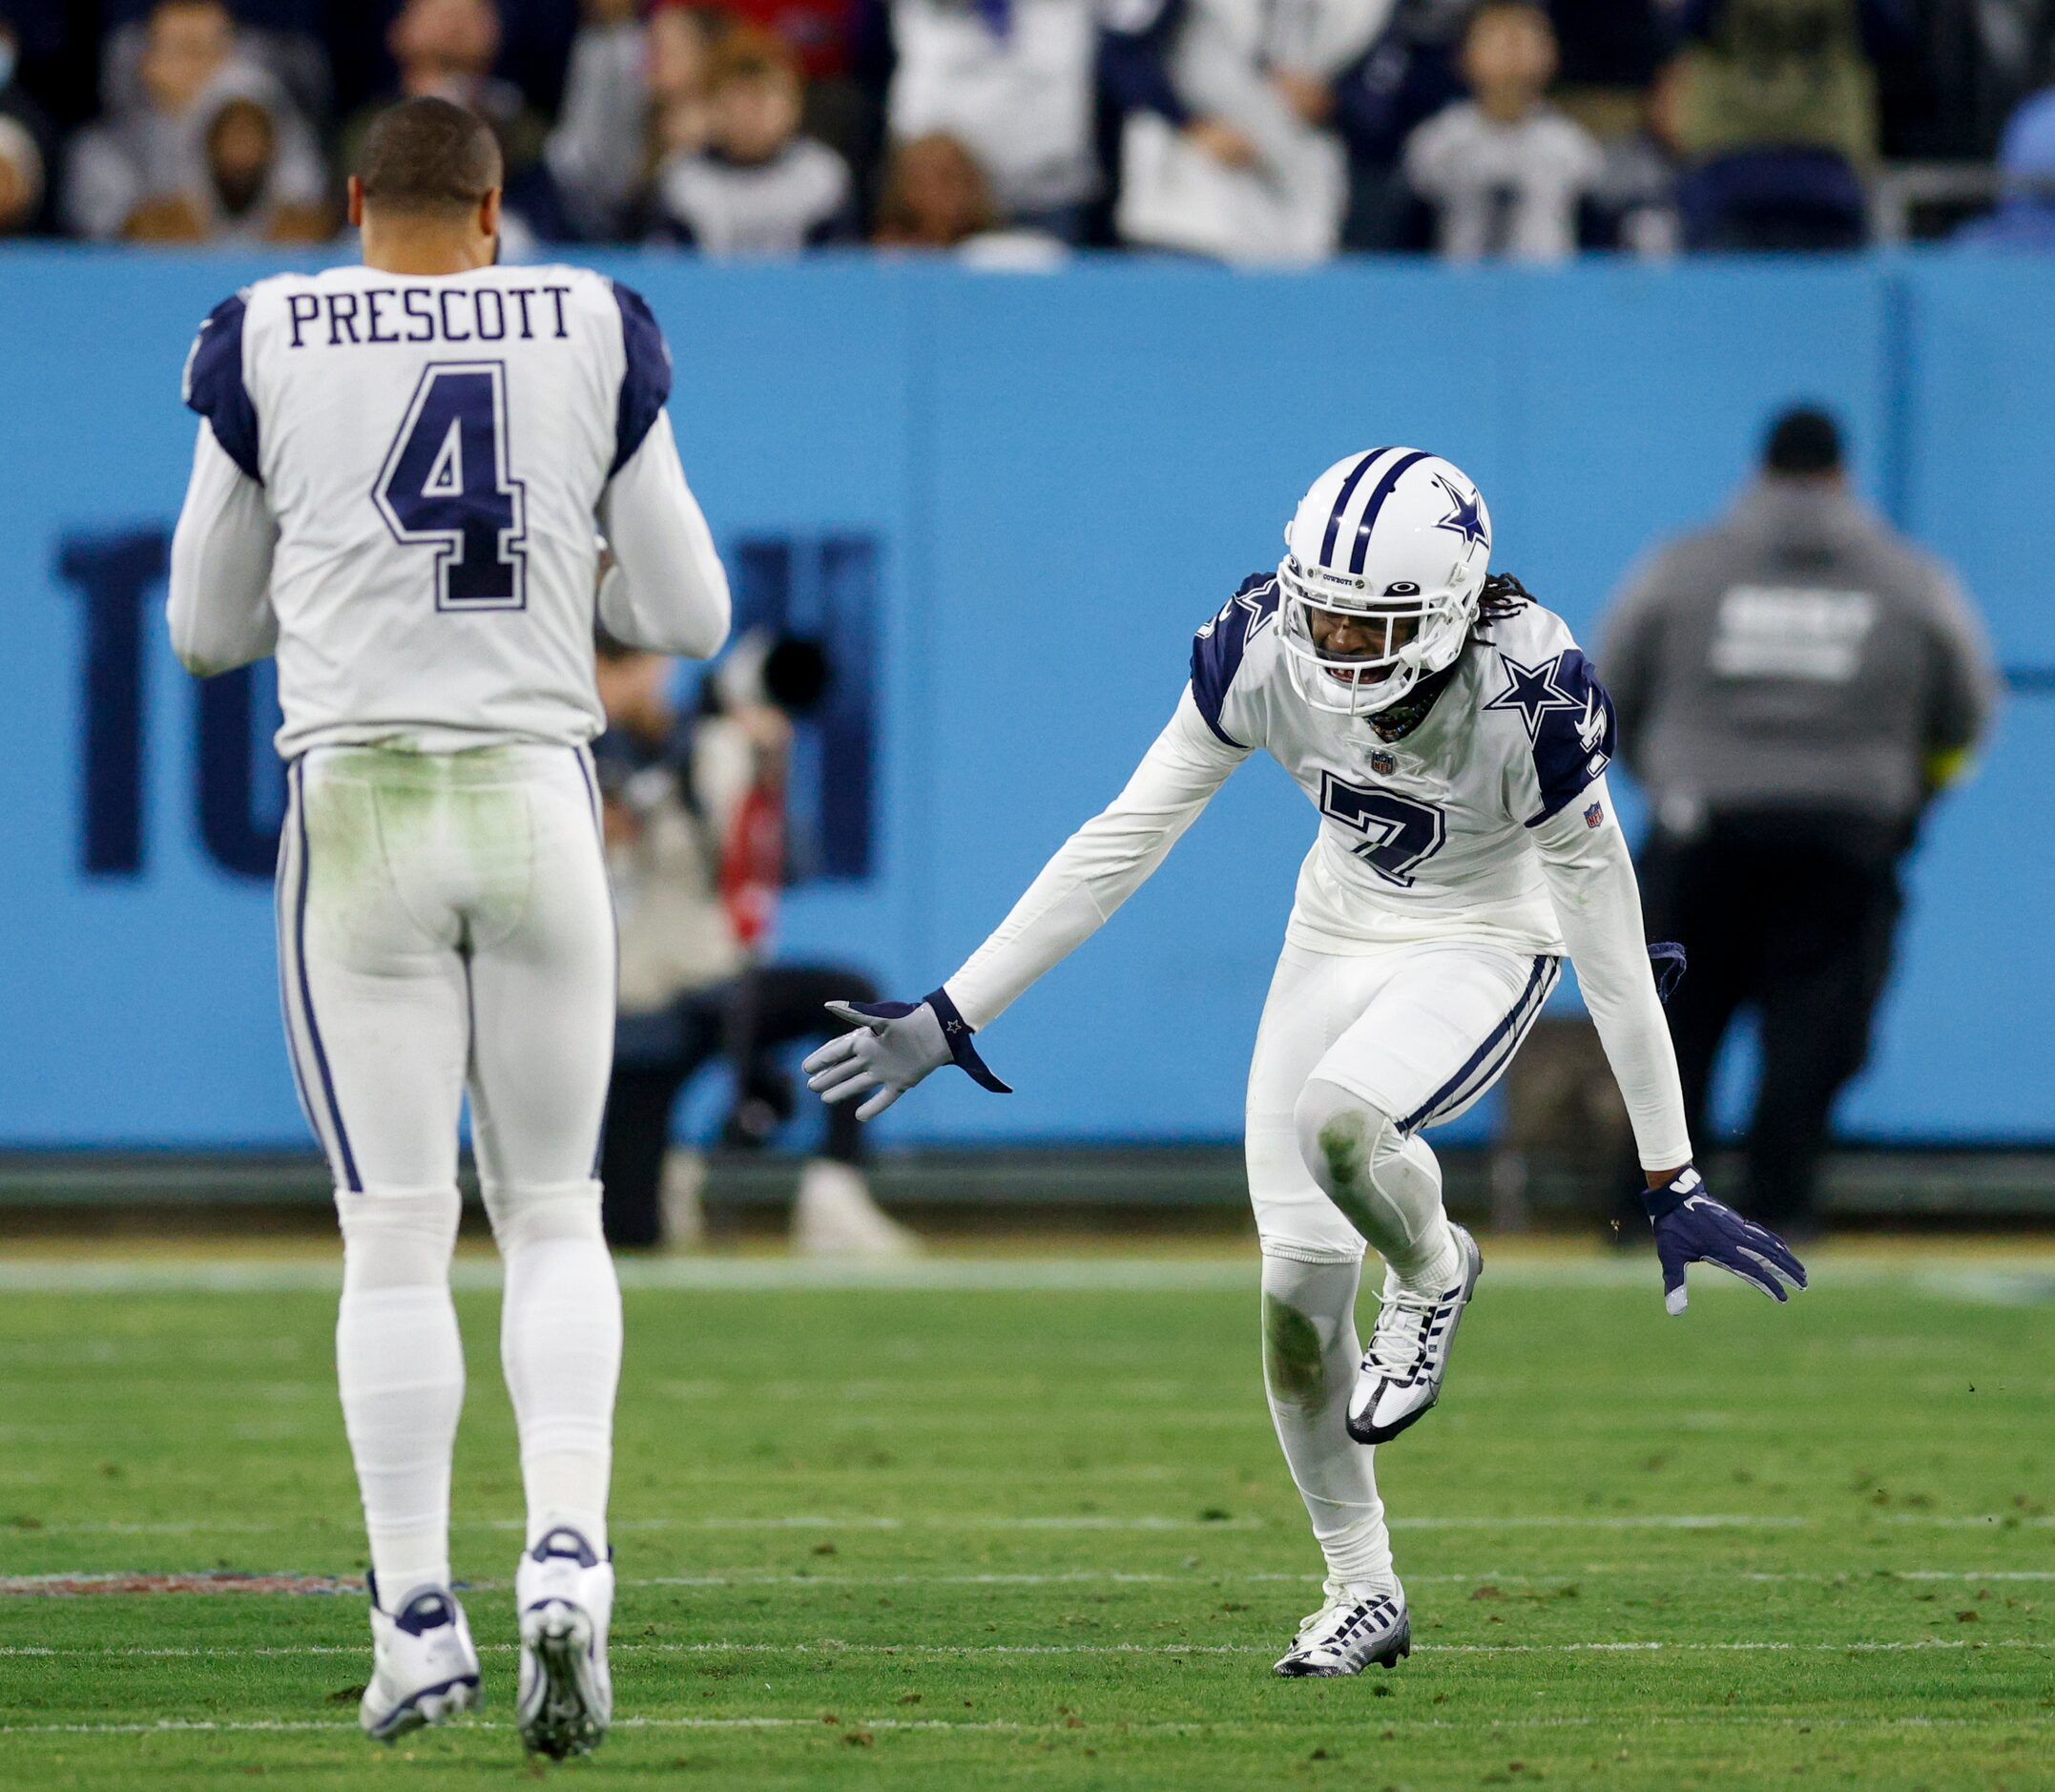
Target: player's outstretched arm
column 219, row 610
column 672, row 596
column 896, row 1045
column 1590, row 878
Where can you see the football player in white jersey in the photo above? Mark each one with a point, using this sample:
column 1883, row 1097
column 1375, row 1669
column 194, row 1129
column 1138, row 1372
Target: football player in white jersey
column 1455, row 741
column 396, row 486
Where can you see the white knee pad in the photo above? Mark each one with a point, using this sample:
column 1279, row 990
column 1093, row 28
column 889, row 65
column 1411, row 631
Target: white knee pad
column 1341, row 1135
column 1386, row 1181
column 397, row 1241
column 543, row 1214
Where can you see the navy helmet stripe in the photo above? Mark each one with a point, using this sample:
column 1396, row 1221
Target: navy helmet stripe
column 1378, row 495
column 1341, row 503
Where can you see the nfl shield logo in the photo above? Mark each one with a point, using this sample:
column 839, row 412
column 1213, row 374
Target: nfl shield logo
column 1384, row 763
column 1594, row 815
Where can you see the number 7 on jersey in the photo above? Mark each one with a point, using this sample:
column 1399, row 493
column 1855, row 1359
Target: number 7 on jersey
column 445, row 485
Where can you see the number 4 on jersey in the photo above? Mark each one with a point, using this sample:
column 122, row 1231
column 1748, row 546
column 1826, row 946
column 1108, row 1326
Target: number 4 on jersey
column 446, row 485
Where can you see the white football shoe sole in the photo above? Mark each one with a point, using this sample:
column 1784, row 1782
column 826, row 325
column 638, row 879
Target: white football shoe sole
column 425, row 1669
column 565, row 1595
column 1349, row 1634
column 1408, row 1355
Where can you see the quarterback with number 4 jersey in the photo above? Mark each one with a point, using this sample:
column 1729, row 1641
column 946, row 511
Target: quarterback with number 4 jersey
column 1455, row 741
column 399, row 474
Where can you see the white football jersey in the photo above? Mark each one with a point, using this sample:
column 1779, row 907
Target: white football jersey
column 432, row 451
column 1423, row 837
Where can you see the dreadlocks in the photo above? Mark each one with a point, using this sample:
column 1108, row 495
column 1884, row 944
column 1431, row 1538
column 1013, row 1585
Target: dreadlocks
column 1504, row 596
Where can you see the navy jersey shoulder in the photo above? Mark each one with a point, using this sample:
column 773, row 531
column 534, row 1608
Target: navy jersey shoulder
column 1538, row 676
column 1221, row 641
column 215, row 388
column 645, row 380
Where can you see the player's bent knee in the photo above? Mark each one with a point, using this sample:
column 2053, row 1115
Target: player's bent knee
column 537, row 1215
column 396, row 1240
column 1340, row 1133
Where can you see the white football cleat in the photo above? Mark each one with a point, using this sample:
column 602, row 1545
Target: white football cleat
column 1408, row 1353
column 424, row 1668
column 564, row 1594
column 1353, row 1631
column 835, row 1216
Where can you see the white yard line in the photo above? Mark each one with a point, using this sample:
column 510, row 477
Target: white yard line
column 1092, row 1521
column 1087, row 1275
column 1198, row 1579
column 1295, row 1725
column 950, row 1650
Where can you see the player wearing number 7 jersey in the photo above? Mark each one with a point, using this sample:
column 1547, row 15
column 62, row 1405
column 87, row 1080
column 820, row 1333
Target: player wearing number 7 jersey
column 396, row 486
column 1455, row 741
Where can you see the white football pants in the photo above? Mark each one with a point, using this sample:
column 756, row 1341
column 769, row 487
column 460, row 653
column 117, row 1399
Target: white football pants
column 1356, row 1056
column 445, row 928
column 1415, row 1035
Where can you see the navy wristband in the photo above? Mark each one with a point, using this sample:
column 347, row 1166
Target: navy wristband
column 1674, row 1193
column 956, row 1033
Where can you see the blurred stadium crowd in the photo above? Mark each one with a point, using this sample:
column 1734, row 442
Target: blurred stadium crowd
column 1013, row 130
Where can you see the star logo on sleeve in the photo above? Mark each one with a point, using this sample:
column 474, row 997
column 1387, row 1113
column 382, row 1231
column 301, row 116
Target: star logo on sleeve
column 1466, row 519
column 1534, row 691
column 1261, row 604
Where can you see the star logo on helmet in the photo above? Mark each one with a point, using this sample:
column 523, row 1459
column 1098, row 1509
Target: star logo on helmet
column 1533, row 691
column 1467, row 517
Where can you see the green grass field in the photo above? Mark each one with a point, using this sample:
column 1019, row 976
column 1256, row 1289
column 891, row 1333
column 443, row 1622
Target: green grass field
column 1014, row 1523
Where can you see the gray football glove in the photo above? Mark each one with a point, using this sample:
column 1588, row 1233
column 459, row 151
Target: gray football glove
column 893, row 1046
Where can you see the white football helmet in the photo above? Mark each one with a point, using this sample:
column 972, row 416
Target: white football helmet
column 1389, row 549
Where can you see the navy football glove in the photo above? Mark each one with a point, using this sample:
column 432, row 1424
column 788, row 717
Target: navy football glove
column 1692, row 1227
column 894, row 1045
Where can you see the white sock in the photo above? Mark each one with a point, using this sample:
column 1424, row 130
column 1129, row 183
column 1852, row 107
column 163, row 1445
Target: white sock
column 1387, row 1182
column 560, row 1344
column 400, row 1363
column 1311, row 1356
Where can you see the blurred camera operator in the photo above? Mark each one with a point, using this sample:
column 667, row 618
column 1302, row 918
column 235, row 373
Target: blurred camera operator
column 694, row 808
column 1794, row 684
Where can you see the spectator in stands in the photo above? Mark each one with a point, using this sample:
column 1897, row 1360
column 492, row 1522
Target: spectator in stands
column 1012, row 80
column 1504, row 171
column 2026, row 215
column 1226, row 145
column 145, row 173
column 284, row 39
column 694, row 814
column 446, row 49
column 27, row 142
column 597, row 153
column 680, row 57
column 829, row 39
column 1779, row 117
column 241, row 199
column 936, row 196
column 759, row 187
column 1407, row 76
column 1794, row 684
column 1635, row 195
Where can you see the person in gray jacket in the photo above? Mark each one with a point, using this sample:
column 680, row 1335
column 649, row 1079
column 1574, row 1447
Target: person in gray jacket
column 1795, row 685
